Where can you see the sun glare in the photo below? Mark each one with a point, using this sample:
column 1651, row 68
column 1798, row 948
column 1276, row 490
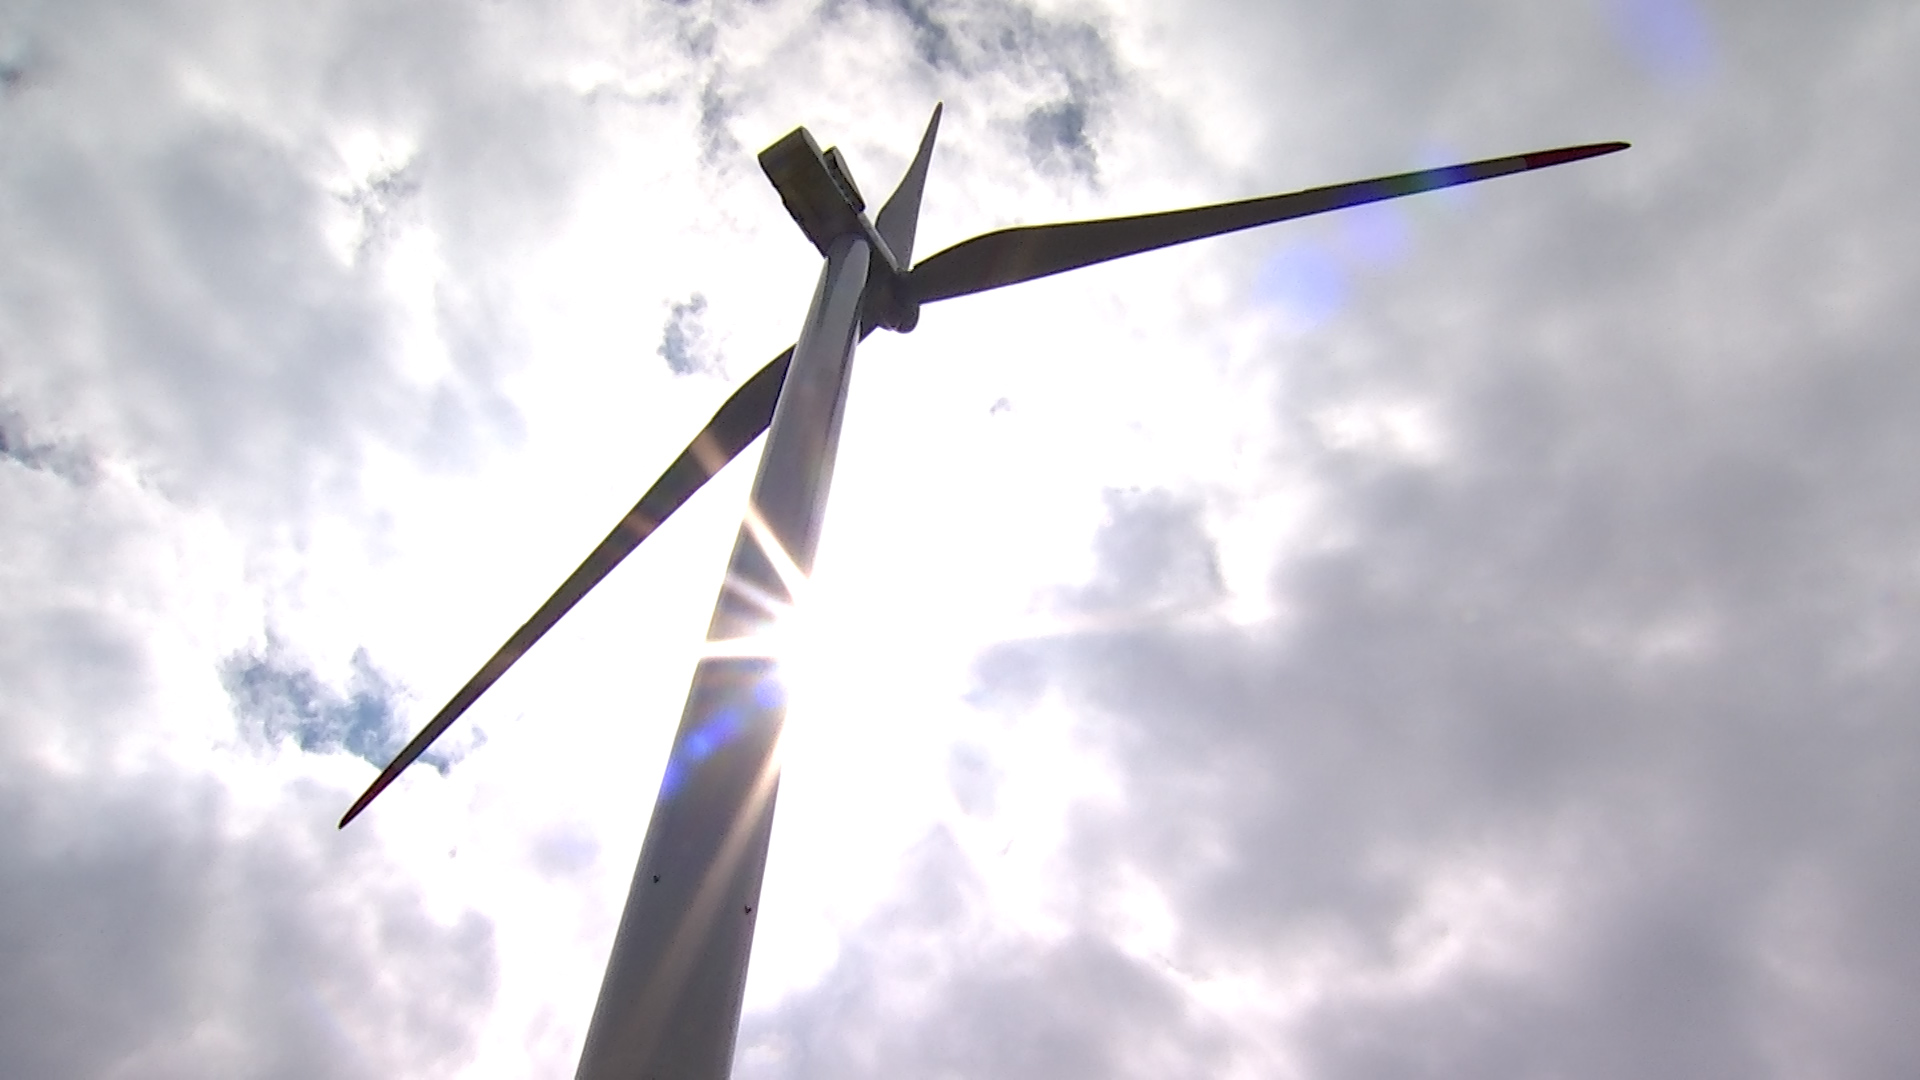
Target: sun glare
column 877, row 655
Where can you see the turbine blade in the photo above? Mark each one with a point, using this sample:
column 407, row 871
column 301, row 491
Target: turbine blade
column 738, row 422
column 1010, row 256
column 900, row 218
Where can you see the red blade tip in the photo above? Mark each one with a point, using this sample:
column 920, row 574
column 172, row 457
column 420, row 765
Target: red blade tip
column 1571, row 153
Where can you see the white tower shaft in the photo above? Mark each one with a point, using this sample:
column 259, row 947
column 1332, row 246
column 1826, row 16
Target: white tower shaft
column 669, row 1006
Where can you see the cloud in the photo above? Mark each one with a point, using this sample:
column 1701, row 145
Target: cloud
column 180, row 903
column 179, row 251
column 1524, row 693
column 23, row 449
column 1573, row 738
column 1068, row 62
column 718, row 146
column 932, row 987
column 158, row 934
column 1057, row 138
column 1497, row 828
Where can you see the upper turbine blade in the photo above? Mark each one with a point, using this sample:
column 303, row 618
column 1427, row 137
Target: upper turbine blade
column 1010, row 256
column 738, row 422
column 900, row 218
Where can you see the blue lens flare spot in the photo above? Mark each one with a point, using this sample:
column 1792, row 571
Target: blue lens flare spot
column 698, row 745
column 1306, row 284
column 1669, row 38
column 770, row 692
column 712, row 735
column 673, row 779
column 1375, row 234
column 739, row 701
column 721, row 728
column 1445, row 191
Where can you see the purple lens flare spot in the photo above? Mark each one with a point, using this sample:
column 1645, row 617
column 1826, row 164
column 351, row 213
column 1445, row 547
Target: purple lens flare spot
column 770, row 692
column 1375, row 234
column 721, row 728
column 1306, row 283
column 1671, row 39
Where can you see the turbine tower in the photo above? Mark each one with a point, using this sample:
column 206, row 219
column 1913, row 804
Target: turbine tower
column 669, row 1005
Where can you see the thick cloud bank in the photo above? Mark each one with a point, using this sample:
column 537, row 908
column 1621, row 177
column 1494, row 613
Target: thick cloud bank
column 178, row 903
column 1578, row 738
column 1469, row 637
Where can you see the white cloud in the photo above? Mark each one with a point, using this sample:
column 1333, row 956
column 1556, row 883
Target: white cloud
column 1470, row 640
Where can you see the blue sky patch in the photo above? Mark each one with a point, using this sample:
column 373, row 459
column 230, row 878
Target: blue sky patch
column 283, row 698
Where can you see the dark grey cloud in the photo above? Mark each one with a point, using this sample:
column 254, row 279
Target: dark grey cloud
column 170, row 198
column 705, row 79
column 15, row 55
column 934, row 40
column 1704, row 820
column 382, row 201
column 1633, row 642
column 1068, row 61
column 1631, row 645
column 172, row 301
column 143, row 938
column 974, row 37
column 24, row 449
column 158, row 918
column 718, row 147
column 202, row 343
column 1057, row 138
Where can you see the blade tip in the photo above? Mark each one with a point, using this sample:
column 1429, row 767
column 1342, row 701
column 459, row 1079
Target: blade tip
column 1562, row 156
column 366, row 798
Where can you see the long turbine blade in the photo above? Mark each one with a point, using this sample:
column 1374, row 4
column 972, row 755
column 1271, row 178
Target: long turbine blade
column 737, row 423
column 1010, row 256
column 900, row 218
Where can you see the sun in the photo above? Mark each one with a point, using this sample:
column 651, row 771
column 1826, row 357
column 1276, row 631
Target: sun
column 877, row 655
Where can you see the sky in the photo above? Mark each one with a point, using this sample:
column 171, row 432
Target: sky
column 1471, row 636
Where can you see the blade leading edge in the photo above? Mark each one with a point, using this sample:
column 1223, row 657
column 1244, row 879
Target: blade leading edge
column 738, row 422
column 900, row 218
column 1010, row 256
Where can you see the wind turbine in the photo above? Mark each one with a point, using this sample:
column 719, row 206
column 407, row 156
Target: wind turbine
column 669, row 1005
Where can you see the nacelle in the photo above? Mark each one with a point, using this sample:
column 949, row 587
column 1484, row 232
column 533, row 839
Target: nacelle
column 820, row 194
column 815, row 186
